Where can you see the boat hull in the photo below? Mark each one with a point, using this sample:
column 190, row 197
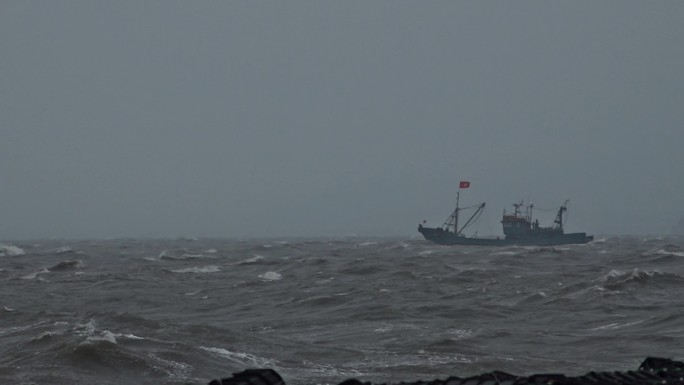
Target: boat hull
column 443, row 237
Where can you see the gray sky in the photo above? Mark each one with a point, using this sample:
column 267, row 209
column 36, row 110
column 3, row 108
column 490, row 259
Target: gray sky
column 315, row 118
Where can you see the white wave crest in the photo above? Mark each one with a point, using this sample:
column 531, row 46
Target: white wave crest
column 241, row 358
column 165, row 255
column 505, row 253
column 665, row 252
column 61, row 250
column 104, row 336
column 367, row 244
column 10, row 251
column 616, row 325
column 254, row 259
column 197, row 270
column 129, row 336
column 191, row 256
column 35, row 274
column 271, row 276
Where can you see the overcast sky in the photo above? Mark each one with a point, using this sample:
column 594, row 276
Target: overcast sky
column 333, row 118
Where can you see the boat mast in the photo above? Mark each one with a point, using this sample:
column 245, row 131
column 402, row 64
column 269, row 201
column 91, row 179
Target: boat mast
column 458, row 194
column 529, row 215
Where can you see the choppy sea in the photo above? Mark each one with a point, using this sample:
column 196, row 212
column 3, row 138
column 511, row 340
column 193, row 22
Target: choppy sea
column 186, row 311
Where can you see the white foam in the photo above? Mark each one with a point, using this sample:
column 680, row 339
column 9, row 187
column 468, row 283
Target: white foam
column 105, row 336
column 505, row 253
column 665, row 252
column 271, row 276
column 86, row 329
column 10, row 251
column 43, row 336
column 198, row 270
column 192, row 256
column 211, row 251
column 35, row 274
column 330, row 370
column 254, row 259
column 617, row 325
column 172, row 368
column 241, row 358
column 129, row 336
column 367, row 244
column 20, row 328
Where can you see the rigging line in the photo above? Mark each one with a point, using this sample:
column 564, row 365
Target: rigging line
column 471, row 207
column 540, row 209
column 473, row 218
column 496, row 379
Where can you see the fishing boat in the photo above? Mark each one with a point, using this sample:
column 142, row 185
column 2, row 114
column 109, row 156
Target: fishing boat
column 519, row 228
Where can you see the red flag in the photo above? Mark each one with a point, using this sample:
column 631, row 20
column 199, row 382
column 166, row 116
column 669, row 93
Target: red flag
column 463, row 184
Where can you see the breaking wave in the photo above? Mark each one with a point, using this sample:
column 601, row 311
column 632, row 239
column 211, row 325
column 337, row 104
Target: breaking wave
column 10, row 251
column 620, row 280
column 66, row 265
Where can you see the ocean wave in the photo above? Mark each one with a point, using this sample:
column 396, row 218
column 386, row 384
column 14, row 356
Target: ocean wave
column 618, row 280
column 670, row 250
column 617, row 325
column 505, row 253
column 104, row 335
column 328, row 370
column 35, row 274
column 245, row 359
column 66, row 265
column 255, row 259
column 198, row 270
column 94, row 355
column 103, row 356
column 166, row 255
column 62, row 250
column 10, row 251
column 322, row 300
column 20, row 329
column 271, row 276
column 363, row 244
column 427, row 252
column 184, row 257
column 334, row 307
